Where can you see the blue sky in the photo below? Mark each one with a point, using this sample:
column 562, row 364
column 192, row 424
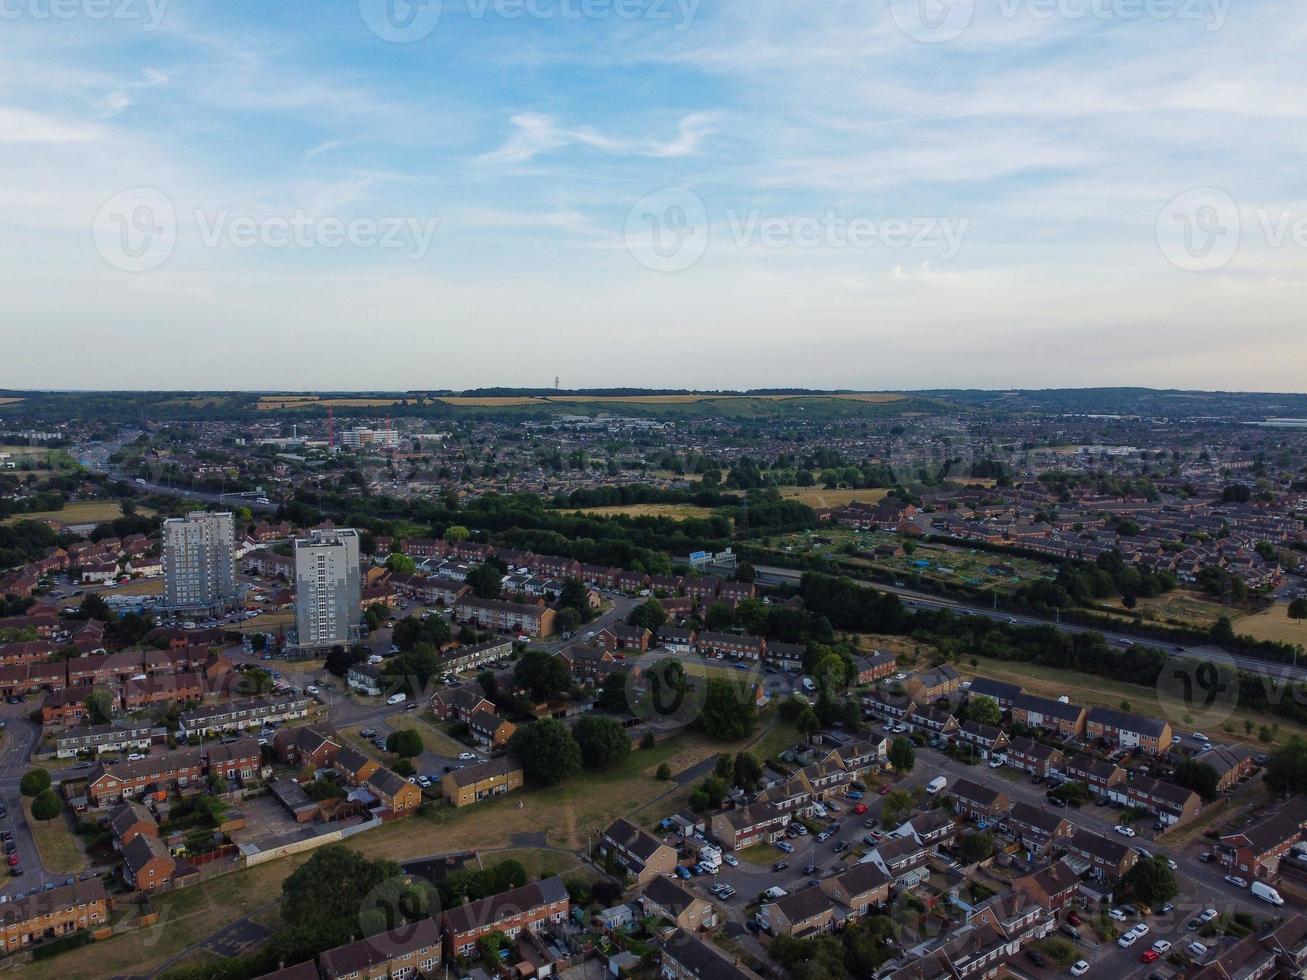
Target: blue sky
column 876, row 194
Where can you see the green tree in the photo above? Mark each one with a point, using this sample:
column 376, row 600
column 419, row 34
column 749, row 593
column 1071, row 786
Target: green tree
column 977, row 847
column 807, row 723
column 486, row 580
column 902, row 755
column 405, row 743
column 719, row 616
column 1286, row 767
column 729, row 711
column 457, row 533
column 46, row 805
column 664, row 771
column 603, row 741
column 649, row 614
column 99, row 707
column 547, row 751
column 748, row 771
column 1197, row 776
column 984, row 710
column 332, row 885
column 898, row 804
column 576, row 595
column 401, row 564
column 543, row 675
column 1152, row 881
column 1298, row 609
column 34, row 782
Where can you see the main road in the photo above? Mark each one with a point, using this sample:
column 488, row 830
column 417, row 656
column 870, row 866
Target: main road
column 776, row 575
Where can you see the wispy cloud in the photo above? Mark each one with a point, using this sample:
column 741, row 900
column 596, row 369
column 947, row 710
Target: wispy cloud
column 535, row 134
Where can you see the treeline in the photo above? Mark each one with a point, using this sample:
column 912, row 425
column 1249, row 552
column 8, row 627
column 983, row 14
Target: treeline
column 640, row 493
column 26, row 541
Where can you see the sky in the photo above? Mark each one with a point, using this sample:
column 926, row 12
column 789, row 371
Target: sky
column 881, row 194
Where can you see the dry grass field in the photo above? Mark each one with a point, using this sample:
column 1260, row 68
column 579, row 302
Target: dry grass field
column 1273, row 624
column 820, row 497
column 678, row 512
column 489, row 402
column 79, row 512
column 10, row 401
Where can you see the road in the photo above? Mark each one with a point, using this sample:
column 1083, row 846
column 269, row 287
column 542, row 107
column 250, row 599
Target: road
column 775, row 575
column 20, row 738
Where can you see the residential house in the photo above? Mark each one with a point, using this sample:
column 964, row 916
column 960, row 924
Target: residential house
column 902, row 859
column 666, row 899
column 489, row 729
column 637, row 851
column 1098, row 774
column 974, row 801
column 108, row 783
column 1054, row 884
column 1034, row 757
column 686, row 957
column 147, row 865
column 745, row 826
column 481, row 781
column 1169, row 803
column 1232, row 764
column 1036, row 829
column 874, row 666
column 459, row 703
column 529, row 908
column 801, row 914
column 525, row 618
column 1001, row 692
column 1067, row 720
column 935, row 684
column 129, row 820
column 412, row 950
column 731, row 645
column 305, row 745
column 1128, row 731
column 1256, row 850
column 857, row 891
column 986, row 740
column 1104, row 857
column 24, row 922
column 395, row 793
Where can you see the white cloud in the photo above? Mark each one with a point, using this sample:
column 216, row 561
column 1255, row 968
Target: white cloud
column 536, row 134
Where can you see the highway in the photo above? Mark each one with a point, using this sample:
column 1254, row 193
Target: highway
column 775, row 575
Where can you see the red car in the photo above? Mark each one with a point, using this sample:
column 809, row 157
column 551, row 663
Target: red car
column 13, row 859
column 860, row 808
column 884, row 789
column 1149, row 956
column 1073, row 919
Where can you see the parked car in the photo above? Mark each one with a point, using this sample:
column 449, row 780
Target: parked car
column 1079, row 968
column 1124, row 831
column 780, row 865
column 1236, row 881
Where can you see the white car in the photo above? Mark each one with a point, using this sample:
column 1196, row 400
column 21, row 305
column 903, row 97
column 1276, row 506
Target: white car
column 467, row 757
column 731, row 859
column 397, row 699
column 1197, row 950
column 1140, row 930
column 1116, row 915
column 311, row 689
column 1161, row 947
column 1236, row 881
column 1128, row 939
column 1208, row 915
column 1079, row 968
column 424, row 782
column 1123, row 830
column 996, row 763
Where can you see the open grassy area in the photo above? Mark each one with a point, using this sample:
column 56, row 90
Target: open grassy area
column 185, row 917
column 56, row 842
column 428, row 726
column 139, row 586
column 80, row 512
column 1274, row 624
column 264, row 623
column 537, row 860
column 1092, row 691
column 1182, row 606
column 678, row 512
column 821, row 497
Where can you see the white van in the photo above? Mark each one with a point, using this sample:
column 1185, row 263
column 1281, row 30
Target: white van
column 936, row 784
column 397, row 699
column 1266, row 893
